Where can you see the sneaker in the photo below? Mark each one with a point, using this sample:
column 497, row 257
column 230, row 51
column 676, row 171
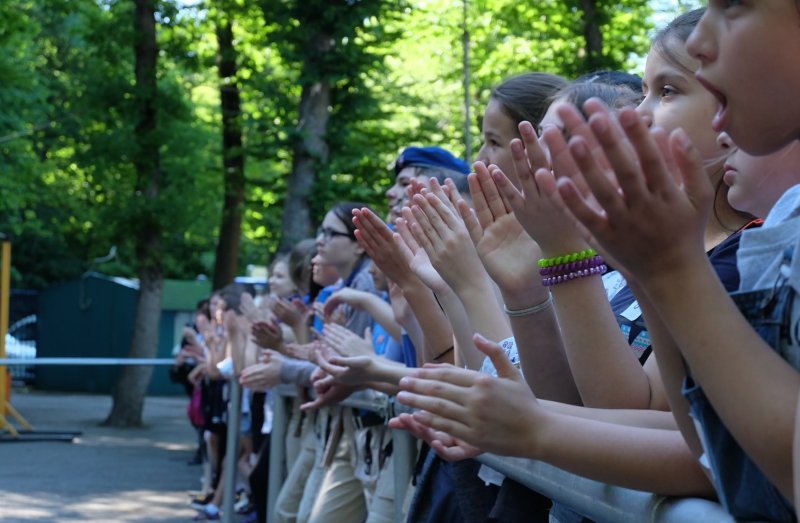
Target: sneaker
column 200, row 502
column 205, row 516
column 243, row 504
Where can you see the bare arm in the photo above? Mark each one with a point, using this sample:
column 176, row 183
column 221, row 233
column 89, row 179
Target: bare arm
column 509, row 255
column 501, row 415
column 727, row 357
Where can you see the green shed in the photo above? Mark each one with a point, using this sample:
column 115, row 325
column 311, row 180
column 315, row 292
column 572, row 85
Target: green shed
column 92, row 317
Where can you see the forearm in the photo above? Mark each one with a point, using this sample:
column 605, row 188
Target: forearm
column 732, row 364
column 382, row 313
column 653, row 460
column 483, row 310
column 387, row 371
column 541, row 350
column 456, row 314
column 606, row 371
column 382, row 386
column 432, row 321
column 642, row 418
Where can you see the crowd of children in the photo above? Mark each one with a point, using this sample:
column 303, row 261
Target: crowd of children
column 611, row 291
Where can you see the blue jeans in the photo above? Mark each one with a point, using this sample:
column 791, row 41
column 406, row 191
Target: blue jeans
column 743, row 489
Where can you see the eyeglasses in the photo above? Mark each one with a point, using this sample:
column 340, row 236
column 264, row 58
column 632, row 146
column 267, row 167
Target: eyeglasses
column 327, row 234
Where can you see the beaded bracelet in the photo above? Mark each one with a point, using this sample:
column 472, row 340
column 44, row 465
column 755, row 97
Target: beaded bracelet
column 530, row 310
column 566, row 268
column 582, row 273
column 567, row 258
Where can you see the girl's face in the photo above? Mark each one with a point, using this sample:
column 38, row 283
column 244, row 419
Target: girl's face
column 756, row 182
column 215, row 306
column 323, row 274
column 498, row 131
column 748, row 52
column 334, row 244
column 280, row 284
column 675, row 99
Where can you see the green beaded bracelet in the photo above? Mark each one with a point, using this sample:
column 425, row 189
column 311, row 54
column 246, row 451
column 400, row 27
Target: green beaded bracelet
column 567, row 258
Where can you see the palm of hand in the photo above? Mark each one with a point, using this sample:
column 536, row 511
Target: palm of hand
column 508, row 253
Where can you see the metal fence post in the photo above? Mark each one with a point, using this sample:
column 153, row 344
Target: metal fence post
column 277, row 452
column 232, row 449
column 403, row 454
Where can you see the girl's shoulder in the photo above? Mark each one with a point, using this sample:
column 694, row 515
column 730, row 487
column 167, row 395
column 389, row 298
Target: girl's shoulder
column 363, row 281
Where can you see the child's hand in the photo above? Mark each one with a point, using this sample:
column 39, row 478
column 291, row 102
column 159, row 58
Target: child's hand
column 473, row 407
column 355, row 370
column 648, row 222
column 508, row 253
column 292, row 313
column 346, row 342
column 445, row 445
column 267, row 335
column 437, row 227
column 534, row 198
column 376, row 238
column 264, row 375
column 344, row 296
column 416, row 257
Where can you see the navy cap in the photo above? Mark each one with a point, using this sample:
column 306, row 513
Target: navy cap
column 429, row 157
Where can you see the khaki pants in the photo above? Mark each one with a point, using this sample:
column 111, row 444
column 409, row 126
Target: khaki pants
column 333, row 494
column 288, row 501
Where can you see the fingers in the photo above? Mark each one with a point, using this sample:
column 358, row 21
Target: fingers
column 630, row 172
column 404, row 232
column 419, row 232
column 505, row 369
column 470, row 222
column 604, row 191
column 439, row 373
column 494, row 199
column 482, row 211
column 537, row 159
column 438, row 384
column 690, row 165
column 595, row 221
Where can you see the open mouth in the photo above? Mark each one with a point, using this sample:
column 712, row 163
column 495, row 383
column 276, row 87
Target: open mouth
column 720, row 119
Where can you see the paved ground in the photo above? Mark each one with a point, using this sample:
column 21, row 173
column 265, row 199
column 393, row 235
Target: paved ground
column 109, row 475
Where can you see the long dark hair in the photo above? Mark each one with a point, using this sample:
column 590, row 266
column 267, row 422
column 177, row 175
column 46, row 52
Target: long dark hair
column 525, row 97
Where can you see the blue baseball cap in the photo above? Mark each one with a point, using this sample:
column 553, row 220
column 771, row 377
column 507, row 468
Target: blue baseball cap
column 429, row 157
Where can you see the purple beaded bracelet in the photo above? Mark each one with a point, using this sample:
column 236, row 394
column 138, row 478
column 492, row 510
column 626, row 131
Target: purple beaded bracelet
column 567, row 268
column 549, row 281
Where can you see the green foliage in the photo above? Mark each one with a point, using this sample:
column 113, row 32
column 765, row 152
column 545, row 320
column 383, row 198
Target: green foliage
column 67, row 116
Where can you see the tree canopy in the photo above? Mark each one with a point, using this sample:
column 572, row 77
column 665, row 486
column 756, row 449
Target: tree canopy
column 395, row 70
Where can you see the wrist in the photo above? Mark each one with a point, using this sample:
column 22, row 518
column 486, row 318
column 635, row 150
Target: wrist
column 522, row 298
column 560, row 248
column 667, row 278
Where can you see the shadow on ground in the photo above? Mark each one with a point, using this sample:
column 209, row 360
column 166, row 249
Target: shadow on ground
column 107, row 474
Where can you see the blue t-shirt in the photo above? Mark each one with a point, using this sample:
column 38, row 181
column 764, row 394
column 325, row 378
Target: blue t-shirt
column 409, row 352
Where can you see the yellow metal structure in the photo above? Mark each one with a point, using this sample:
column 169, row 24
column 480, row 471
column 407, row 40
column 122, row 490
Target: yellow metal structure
column 5, row 292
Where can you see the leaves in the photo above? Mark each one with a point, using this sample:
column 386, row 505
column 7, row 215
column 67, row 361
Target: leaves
column 67, row 118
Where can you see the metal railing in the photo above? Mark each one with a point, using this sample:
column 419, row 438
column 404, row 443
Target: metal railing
column 598, row 501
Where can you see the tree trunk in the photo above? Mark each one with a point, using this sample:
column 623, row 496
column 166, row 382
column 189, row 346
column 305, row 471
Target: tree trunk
column 592, row 35
column 230, row 230
column 132, row 386
column 310, row 147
